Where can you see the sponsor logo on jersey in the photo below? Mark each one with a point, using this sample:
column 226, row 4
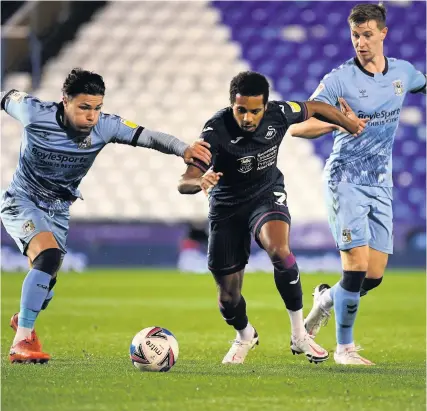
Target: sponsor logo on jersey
column 28, row 227
column 346, row 236
column 295, row 107
column 246, row 164
column 128, row 123
column 398, row 87
column 267, row 158
column 50, row 158
column 319, row 89
column 270, row 133
column 207, row 129
column 382, row 115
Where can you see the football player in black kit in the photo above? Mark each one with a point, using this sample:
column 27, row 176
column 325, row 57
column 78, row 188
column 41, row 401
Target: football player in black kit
column 247, row 195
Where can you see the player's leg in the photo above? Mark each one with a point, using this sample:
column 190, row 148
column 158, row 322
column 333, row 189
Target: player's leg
column 29, row 228
column 348, row 209
column 381, row 241
column 228, row 253
column 232, row 306
column 274, row 238
column 376, row 268
column 270, row 225
column 345, row 296
column 14, row 319
column 46, row 257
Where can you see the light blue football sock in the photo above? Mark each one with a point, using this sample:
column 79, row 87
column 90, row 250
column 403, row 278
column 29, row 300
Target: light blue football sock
column 346, row 304
column 35, row 289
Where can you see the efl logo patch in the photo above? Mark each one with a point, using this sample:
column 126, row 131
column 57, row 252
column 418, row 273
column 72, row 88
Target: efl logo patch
column 346, row 236
column 398, row 87
column 295, row 107
column 129, row 123
column 246, row 164
column 28, row 227
column 17, row 96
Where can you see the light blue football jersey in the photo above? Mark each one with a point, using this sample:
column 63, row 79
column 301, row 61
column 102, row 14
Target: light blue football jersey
column 367, row 159
column 53, row 160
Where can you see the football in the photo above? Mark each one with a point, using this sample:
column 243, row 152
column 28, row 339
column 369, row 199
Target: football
column 154, row 349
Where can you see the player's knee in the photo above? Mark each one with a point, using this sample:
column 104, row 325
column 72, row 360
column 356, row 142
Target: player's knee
column 49, row 261
column 228, row 299
column 352, row 280
column 369, row 284
column 278, row 252
column 375, row 272
column 356, row 259
column 283, row 260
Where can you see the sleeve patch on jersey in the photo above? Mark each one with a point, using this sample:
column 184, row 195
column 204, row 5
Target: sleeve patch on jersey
column 295, row 107
column 319, row 89
column 17, row 96
column 128, row 123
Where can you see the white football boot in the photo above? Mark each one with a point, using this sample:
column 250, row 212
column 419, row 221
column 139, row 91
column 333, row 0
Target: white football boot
column 319, row 314
column 240, row 349
column 306, row 345
column 350, row 356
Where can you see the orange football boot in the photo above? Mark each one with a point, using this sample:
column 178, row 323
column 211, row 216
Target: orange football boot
column 26, row 351
column 14, row 326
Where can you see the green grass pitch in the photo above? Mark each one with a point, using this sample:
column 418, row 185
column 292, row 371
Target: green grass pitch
column 89, row 325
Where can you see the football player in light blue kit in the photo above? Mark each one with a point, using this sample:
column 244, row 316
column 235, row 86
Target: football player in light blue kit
column 59, row 145
column 358, row 173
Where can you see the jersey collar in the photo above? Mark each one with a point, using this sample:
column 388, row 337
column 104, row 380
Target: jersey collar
column 368, row 73
column 60, row 115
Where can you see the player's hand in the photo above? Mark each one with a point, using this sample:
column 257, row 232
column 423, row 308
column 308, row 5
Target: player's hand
column 200, row 150
column 348, row 112
column 209, row 180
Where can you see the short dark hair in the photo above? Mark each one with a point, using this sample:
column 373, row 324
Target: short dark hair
column 83, row 82
column 249, row 83
column 364, row 12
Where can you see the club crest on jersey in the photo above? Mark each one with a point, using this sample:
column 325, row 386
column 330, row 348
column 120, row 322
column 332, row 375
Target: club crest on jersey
column 346, row 236
column 246, row 164
column 270, row 133
column 28, row 227
column 86, row 143
column 398, row 87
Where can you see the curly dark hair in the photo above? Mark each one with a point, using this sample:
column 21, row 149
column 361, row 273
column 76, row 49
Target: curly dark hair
column 364, row 12
column 81, row 81
column 249, row 83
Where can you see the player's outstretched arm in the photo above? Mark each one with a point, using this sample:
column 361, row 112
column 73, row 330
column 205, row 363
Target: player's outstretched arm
column 195, row 180
column 327, row 113
column 312, row 128
column 165, row 143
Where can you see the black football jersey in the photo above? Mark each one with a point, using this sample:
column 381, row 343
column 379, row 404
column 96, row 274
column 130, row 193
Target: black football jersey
column 248, row 160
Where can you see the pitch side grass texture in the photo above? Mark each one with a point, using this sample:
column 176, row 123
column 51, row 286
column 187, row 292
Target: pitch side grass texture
column 89, row 325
